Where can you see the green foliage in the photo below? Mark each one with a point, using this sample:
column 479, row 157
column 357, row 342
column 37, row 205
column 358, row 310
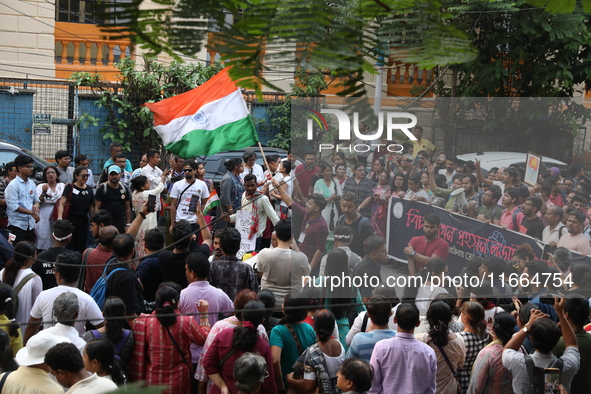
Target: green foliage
column 128, row 122
column 280, row 116
column 343, row 36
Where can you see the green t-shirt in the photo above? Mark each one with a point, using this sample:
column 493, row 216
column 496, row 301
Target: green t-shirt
column 281, row 337
column 488, row 212
column 582, row 380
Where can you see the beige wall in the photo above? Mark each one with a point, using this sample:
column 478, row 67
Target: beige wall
column 26, row 39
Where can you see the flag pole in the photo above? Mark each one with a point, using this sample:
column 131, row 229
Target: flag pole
column 264, row 158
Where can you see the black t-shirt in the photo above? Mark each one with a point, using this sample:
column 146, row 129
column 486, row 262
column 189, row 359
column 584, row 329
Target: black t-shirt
column 149, row 273
column 172, row 265
column 114, row 202
column 361, row 232
column 127, row 286
column 45, row 270
column 81, row 199
column 534, row 227
column 371, row 269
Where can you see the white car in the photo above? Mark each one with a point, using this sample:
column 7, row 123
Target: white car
column 489, row 160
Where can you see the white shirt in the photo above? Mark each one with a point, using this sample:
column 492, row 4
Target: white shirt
column 93, row 385
column 264, row 209
column 256, row 170
column 90, row 182
column 153, row 175
column 421, row 193
column 68, row 332
column 553, row 235
column 198, row 188
column 27, row 295
column 89, row 310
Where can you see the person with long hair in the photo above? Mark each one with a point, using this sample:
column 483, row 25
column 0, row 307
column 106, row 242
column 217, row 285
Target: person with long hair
column 522, row 255
column 443, row 342
column 580, row 275
column 162, row 343
column 337, row 266
column 377, row 168
column 378, row 204
column 141, row 193
column 242, row 298
column 340, row 173
column 7, row 323
column 114, row 330
column 321, row 361
column 230, row 344
column 399, row 185
column 359, row 185
column 488, row 373
column 201, row 176
column 232, row 186
column 290, row 337
column 49, row 192
column 7, row 362
column 99, row 358
column 81, row 199
column 332, row 191
column 26, row 284
column 475, row 338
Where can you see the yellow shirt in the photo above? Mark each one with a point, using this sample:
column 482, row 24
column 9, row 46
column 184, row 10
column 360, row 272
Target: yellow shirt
column 16, row 343
column 27, row 380
column 424, row 144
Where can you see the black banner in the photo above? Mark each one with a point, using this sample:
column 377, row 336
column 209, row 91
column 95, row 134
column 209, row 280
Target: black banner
column 467, row 237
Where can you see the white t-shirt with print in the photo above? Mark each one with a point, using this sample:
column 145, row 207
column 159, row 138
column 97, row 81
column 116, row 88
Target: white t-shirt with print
column 199, row 188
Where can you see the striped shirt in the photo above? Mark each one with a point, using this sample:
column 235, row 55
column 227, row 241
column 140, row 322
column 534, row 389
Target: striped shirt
column 364, row 342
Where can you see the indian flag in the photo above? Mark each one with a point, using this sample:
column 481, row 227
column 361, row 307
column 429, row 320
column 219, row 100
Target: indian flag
column 209, row 119
column 212, row 202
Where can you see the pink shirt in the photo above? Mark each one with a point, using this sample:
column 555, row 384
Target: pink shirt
column 507, row 219
column 578, row 243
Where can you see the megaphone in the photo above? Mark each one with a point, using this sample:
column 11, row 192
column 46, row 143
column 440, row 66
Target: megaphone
column 460, row 196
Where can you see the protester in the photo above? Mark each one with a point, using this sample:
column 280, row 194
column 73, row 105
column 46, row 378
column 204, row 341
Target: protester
column 22, row 201
column 449, row 347
column 162, row 343
column 331, row 190
column 475, row 338
column 26, row 284
column 65, row 172
column 544, row 334
column 421, row 249
column 575, row 239
column 49, row 192
column 403, row 364
column 250, row 166
column 32, row 375
column 229, row 345
column 14, row 341
column 232, row 186
column 186, row 193
column 115, row 197
column 80, row 197
column 149, row 268
column 99, row 358
column 228, row 273
column 378, row 204
column 114, row 330
column 66, row 364
column 97, row 258
column 343, row 235
column 67, row 270
column 361, row 226
column 114, row 149
column 375, row 255
column 290, row 338
column 65, row 312
column 354, row 376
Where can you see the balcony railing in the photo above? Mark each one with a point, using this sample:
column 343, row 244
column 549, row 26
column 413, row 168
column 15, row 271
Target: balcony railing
column 403, row 77
column 84, row 47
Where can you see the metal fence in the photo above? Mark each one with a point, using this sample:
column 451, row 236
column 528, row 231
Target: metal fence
column 43, row 116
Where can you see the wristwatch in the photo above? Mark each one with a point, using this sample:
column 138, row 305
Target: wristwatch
column 413, row 253
column 525, row 329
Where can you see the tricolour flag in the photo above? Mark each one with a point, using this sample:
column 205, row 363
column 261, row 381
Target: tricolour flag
column 212, row 202
column 209, row 119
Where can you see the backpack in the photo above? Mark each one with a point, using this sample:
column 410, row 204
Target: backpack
column 118, row 346
column 515, row 225
column 536, row 375
column 341, row 221
column 99, row 290
column 18, row 288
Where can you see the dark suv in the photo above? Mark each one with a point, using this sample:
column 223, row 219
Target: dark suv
column 214, row 164
column 9, row 151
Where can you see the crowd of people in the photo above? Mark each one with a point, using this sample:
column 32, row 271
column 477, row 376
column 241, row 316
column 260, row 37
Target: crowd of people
column 94, row 291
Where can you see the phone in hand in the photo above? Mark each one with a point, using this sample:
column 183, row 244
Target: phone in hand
column 193, row 203
column 152, row 203
column 551, row 380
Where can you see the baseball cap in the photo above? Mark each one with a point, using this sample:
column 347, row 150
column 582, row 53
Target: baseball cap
column 114, row 168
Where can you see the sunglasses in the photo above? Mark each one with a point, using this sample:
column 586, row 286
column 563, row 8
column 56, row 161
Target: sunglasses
column 84, row 176
column 187, row 169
